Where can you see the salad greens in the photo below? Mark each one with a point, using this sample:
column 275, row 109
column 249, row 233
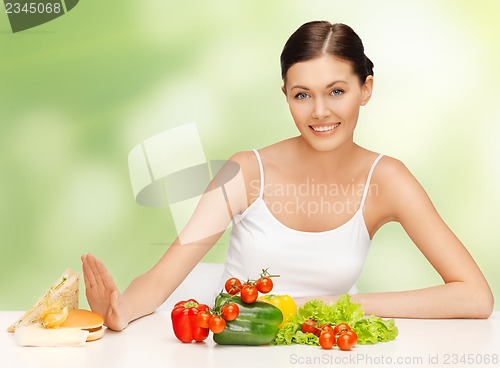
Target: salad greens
column 370, row 330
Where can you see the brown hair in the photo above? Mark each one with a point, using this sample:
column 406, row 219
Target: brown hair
column 315, row 38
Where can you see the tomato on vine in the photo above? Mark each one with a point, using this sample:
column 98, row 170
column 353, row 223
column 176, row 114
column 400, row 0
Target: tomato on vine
column 353, row 335
column 347, row 339
column 217, row 324
column 327, row 340
column 249, row 293
column 327, row 328
column 340, row 328
column 230, row 311
column 202, row 318
column 233, row 286
column 310, row 326
column 265, row 285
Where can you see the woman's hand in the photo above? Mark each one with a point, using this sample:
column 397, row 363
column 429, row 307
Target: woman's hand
column 102, row 294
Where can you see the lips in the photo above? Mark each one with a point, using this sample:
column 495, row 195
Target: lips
column 324, row 129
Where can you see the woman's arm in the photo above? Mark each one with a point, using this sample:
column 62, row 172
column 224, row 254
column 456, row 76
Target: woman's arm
column 226, row 196
column 465, row 292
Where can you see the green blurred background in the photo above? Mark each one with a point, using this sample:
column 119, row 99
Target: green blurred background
column 78, row 93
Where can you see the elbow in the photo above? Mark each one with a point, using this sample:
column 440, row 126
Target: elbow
column 472, row 300
column 486, row 309
column 481, row 304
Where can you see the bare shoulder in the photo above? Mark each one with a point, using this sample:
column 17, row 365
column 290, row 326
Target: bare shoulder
column 397, row 188
column 272, row 158
column 247, row 161
column 249, row 166
column 394, row 178
column 244, row 158
column 390, row 169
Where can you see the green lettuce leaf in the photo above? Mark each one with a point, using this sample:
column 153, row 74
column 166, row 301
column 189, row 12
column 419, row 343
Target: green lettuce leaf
column 346, row 311
column 375, row 329
column 370, row 330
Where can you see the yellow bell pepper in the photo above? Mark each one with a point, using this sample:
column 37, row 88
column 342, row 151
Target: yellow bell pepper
column 284, row 303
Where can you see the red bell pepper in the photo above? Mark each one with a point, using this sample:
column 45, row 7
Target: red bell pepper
column 184, row 321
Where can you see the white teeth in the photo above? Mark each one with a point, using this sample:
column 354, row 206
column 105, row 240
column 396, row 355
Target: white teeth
column 325, row 128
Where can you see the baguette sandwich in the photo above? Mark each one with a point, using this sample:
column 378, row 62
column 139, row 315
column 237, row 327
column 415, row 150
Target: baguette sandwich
column 66, row 289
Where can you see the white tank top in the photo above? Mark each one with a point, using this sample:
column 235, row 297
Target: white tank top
column 309, row 263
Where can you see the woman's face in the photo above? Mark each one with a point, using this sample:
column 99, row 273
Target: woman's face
column 324, row 96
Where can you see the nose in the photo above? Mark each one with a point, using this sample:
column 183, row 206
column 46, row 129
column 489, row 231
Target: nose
column 321, row 109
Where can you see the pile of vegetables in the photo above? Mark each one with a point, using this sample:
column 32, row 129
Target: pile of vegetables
column 369, row 330
column 235, row 319
column 241, row 317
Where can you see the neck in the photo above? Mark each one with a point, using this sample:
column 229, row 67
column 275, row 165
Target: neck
column 326, row 161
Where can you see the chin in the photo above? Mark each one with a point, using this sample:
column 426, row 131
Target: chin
column 325, row 145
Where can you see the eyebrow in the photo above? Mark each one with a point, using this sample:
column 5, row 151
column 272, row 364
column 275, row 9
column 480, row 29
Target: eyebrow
column 328, row 86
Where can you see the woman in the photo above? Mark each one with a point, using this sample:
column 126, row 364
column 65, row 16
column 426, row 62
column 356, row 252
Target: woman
column 308, row 207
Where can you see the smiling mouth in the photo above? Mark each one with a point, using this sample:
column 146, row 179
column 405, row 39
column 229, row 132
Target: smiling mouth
column 324, row 128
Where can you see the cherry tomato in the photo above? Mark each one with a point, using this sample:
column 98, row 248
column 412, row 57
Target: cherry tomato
column 310, row 326
column 217, row 324
column 341, row 327
column 233, row 285
column 200, row 334
column 249, row 293
column 327, row 340
column 353, row 335
column 327, row 328
column 202, row 319
column 230, row 311
column 265, row 285
column 345, row 341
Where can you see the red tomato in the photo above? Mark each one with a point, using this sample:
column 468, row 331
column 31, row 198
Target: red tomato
column 341, row 327
column 327, row 328
column 233, row 285
column 345, row 341
column 265, row 285
column 200, row 334
column 202, row 319
column 230, row 311
column 249, row 293
column 217, row 324
column 326, row 340
column 310, row 326
column 353, row 335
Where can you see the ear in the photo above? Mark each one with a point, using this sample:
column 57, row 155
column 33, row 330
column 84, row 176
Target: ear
column 283, row 89
column 366, row 90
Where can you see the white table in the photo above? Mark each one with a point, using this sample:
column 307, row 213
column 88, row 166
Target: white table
column 150, row 342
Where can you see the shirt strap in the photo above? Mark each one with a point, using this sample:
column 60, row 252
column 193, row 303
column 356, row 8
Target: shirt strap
column 261, row 171
column 367, row 185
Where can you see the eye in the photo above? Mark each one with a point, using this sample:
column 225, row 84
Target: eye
column 301, row 96
column 337, row 92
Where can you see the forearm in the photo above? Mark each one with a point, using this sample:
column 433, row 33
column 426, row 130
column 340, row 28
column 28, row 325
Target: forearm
column 143, row 296
column 451, row 300
column 149, row 290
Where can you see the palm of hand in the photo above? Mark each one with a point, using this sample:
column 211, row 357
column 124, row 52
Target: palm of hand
column 102, row 294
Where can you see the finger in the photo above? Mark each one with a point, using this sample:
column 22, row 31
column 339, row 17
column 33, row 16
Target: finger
column 105, row 275
column 95, row 271
column 88, row 274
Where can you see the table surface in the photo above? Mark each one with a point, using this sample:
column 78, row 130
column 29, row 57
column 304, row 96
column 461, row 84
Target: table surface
column 150, row 342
